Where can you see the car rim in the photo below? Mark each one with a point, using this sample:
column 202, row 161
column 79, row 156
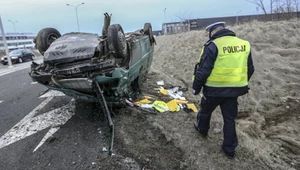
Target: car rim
column 51, row 37
column 20, row 60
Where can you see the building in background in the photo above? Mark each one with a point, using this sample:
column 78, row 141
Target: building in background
column 17, row 41
column 157, row 32
column 176, row 27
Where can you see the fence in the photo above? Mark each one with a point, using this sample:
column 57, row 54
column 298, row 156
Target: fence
column 196, row 24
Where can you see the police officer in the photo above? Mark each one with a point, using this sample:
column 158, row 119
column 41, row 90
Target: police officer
column 224, row 69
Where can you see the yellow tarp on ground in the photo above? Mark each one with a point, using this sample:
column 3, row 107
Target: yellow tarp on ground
column 144, row 101
column 193, row 107
column 163, row 91
column 148, row 97
column 181, row 101
column 173, row 106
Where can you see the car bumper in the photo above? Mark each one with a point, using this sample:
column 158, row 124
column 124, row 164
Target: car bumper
column 87, row 97
column 4, row 62
column 12, row 60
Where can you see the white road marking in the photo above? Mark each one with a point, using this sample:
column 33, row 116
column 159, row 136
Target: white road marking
column 32, row 124
column 47, row 136
column 54, row 118
column 8, row 139
column 18, row 67
column 11, row 70
column 1, row 101
column 34, row 82
column 52, row 93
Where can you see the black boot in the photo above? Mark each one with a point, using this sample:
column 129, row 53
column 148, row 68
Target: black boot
column 202, row 132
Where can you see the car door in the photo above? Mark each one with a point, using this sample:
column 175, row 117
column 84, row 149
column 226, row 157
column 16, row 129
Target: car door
column 23, row 54
column 26, row 55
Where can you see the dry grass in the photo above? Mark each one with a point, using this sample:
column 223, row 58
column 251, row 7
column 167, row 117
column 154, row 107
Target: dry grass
column 269, row 118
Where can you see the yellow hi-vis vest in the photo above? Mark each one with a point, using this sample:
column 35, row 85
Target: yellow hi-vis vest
column 231, row 65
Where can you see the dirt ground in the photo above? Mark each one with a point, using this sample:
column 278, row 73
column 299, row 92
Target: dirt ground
column 268, row 120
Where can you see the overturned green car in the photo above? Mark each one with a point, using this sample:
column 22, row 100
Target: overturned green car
column 105, row 69
column 117, row 61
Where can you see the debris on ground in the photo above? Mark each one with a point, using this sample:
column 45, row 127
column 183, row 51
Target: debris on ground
column 160, row 106
column 104, row 149
column 160, row 83
column 174, row 103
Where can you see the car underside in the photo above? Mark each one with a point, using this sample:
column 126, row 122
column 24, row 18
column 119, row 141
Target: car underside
column 73, row 61
column 104, row 69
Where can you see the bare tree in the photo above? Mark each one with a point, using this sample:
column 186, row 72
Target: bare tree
column 184, row 16
column 289, row 6
column 271, row 5
column 260, row 4
column 296, row 3
column 278, row 6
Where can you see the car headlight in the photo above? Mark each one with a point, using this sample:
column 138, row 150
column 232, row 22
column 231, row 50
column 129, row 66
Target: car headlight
column 14, row 57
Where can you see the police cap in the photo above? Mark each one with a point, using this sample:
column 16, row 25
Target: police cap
column 214, row 25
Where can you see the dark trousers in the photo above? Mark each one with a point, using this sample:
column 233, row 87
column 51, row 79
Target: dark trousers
column 229, row 108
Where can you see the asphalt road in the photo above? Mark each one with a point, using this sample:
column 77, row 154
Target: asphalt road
column 41, row 130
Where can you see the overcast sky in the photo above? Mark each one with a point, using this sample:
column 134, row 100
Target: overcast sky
column 33, row 15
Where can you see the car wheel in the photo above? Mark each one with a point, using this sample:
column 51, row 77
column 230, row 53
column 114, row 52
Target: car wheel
column 4, row 63
column 45, row 38
column 20, row 60
column 148, row 31
column 32, row 57
column 116, row 41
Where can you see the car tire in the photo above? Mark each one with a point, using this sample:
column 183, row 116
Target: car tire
column 20, row 60
column 45, row 38
column 4, row 63
column 148, row 31
column 116, row 41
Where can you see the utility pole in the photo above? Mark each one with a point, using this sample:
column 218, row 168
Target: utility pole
column 237, row 17
column 165, row 31
column 76, row 13
column 5, row 44
column 15, row 32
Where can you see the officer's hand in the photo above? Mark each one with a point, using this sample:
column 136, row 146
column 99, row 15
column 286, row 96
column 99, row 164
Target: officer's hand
column 196, row 88
column 196, row 91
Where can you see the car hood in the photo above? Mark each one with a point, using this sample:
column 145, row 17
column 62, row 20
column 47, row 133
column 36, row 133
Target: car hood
column 71, row 47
